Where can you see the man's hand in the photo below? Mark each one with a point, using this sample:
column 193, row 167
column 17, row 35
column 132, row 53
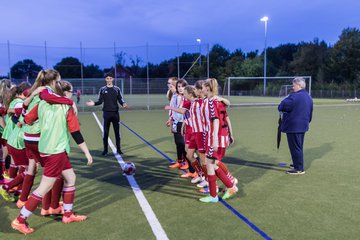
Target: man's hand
column 90, row 103
column 125, row 105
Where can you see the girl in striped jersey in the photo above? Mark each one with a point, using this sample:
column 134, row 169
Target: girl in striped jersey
column 15, row 143
column 31, row 139
column 214, row 146
column 54, row 145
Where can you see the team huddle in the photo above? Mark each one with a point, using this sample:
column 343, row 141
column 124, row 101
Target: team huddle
column 202, row 132
column 35, row 125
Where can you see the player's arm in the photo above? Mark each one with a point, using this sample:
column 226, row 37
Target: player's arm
column 28, row 100
column 31, row 116
column 231, row 135
column 74, row 129
column 175, row 109
column 224, row 100
column 214, row 117
column 53, row 98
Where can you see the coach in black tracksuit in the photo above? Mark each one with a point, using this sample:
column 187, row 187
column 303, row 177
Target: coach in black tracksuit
column 296, row 111
column 110, row 95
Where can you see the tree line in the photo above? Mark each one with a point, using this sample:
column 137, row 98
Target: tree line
column 331, row 66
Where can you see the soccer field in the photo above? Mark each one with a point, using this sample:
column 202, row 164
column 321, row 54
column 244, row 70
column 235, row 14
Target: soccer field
column 322, row 204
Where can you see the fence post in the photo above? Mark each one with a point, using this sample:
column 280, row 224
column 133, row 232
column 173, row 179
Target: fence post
column 82, row 72
column 115, row 72
column 147, row 76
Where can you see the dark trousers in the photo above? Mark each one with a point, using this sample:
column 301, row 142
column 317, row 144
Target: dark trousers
column 296, row 143
column 180, row 146
column 114, row 118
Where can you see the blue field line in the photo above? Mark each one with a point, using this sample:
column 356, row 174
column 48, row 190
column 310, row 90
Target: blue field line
column 244, row 219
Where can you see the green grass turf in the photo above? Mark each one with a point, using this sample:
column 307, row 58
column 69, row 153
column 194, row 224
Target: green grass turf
column 322, row 204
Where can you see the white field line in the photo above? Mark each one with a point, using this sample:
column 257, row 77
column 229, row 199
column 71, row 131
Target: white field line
column 144, row 204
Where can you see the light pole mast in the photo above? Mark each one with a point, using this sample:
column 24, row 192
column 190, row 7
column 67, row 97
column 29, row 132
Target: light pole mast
column 265, row 20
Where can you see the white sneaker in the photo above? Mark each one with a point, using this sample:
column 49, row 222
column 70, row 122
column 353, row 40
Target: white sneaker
column 203, row 184
column 197, row 179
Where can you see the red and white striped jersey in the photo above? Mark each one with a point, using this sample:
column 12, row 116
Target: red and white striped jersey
column 204, row 120
column 212, row 112
column 196, row 116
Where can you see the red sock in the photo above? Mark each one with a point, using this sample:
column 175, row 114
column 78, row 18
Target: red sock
column 196, row 165
column 46, row 201
column 222, row 176
column 56, row 193
column 15, row 182
column 68, row 199
column 225, row 170
column 30, row 206
column 13, row 171
column 26, row 187
column 212, row 185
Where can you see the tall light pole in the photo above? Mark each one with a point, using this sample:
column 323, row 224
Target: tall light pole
column 265, row 20
column 199, row 41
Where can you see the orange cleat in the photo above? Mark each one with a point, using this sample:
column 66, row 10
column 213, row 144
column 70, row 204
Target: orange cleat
column 21, row 227
column 74, row 218
column 184, row 166
column 175, row 165
column 20, row 203
column 56, row 211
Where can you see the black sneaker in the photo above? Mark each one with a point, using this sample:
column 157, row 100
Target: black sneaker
column 291, row 166
column 119, row 152
column 295, row 172
column 104, row 153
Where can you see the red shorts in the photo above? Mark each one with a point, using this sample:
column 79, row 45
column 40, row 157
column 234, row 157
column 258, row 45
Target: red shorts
column 219, row 155
column 55, row 164
column 197, row 142
column 188, row 134
column 19, row 156
column 32, row 152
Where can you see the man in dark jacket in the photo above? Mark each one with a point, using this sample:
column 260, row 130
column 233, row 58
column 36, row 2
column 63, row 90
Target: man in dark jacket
column 296, row 112
column 110, row 95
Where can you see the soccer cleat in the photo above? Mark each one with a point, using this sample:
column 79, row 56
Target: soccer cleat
column 104, row 153
column 21, row 227
column 295, row 172
column 235, row 181
column 14, row 189
column 184, row 166
column 119, row 151
column 56, row 211
column 291, row 166
column 186, row 175
column 209, row 199
column 175, row 165
column 44, row 212
column 6, row 196
column 196, row 179
column 206, row 190
column 74, row 218
column 20, row 203
column 202, row 184
column 230, row 192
